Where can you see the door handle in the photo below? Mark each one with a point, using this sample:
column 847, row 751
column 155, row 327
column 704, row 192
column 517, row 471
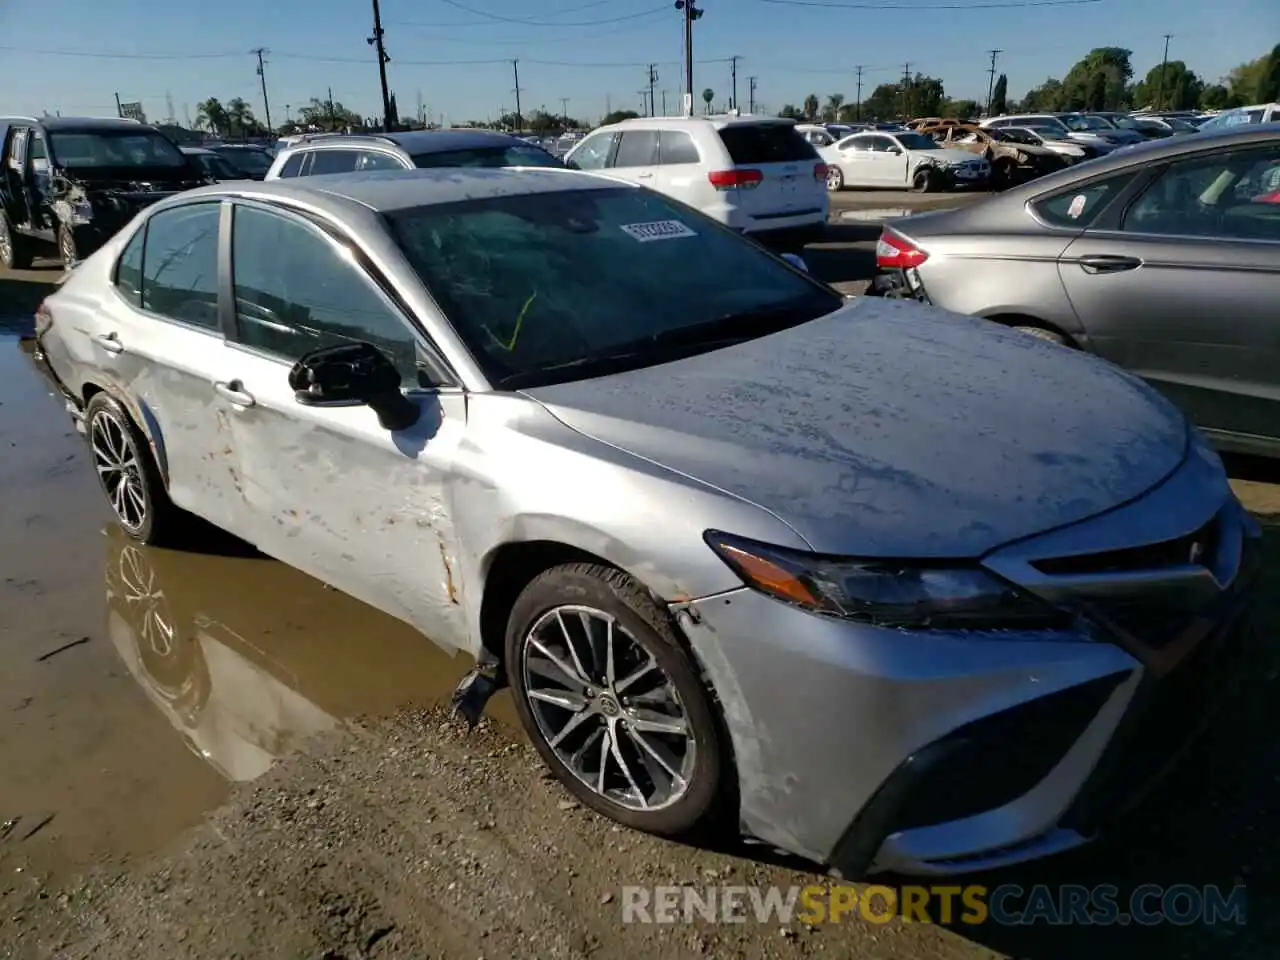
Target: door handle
column 233, row 391
column 644, row 176
column 110, row 342
column 1106, row 263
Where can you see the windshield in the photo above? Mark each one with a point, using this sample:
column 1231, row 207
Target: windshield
column 111, row 148
column 1013, row 136
column 548, row 287
column 1086, row 123
column 513, row 155
column 917, row 141
column 248, row 161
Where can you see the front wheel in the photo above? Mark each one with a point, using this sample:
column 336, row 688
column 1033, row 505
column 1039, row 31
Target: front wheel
column 612, row 701
column 68, row 249
column 128, row 474
column 926, row 181
column 16, row 250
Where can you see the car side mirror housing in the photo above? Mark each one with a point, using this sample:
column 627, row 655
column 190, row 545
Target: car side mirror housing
column 796, row 261
column 353, row 374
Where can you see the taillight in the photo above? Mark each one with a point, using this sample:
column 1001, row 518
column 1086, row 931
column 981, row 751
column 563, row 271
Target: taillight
column 728, row 179
column 820, row 172
column 894, row 251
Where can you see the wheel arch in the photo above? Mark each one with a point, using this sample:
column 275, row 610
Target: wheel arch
column 1014, row 319
column 141, row 415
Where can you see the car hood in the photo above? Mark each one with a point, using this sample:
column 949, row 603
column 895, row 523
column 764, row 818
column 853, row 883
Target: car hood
column 893, row 429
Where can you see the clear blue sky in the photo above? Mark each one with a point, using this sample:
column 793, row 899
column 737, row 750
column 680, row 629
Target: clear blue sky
column 579, row 49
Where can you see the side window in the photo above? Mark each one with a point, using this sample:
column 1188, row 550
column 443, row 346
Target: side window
column 882, row 144
column 296, row 293
column 638, row 148
column 332, row 161
column 293, row 166
column 129, row 268
column 593, row 153
column 36, row 149
column 1080, row 206
column 376, row 160
column 1227, row 195
column 180, row 264
column 856, row 144
column 675, row 147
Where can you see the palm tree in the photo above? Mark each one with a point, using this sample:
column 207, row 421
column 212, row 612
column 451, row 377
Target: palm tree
column 831, row 112
column 811, row 107
column 240, row 118
column 211, row 115
column 707, row 96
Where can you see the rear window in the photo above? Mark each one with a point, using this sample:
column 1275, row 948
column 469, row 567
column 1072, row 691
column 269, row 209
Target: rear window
column 765, row 143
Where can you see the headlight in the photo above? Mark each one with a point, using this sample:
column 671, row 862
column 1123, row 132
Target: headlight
column 886, row 593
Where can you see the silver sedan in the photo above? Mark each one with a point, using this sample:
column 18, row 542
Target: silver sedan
column 847, row 574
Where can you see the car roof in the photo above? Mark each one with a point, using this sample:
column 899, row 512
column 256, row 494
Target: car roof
column 386, row 191
column 700, row 123
column 80, row 124
column 194, row 151
column 413, row 141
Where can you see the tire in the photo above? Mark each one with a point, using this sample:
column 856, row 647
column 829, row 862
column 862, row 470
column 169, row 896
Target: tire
column 128, row 474
column 924, row 181
column 68, row 249
column 1043, row 334
column 16, row 251
column 835, row 179
column 556, row 600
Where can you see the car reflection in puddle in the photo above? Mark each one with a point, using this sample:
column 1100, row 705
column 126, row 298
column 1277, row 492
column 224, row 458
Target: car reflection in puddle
column 248, row 658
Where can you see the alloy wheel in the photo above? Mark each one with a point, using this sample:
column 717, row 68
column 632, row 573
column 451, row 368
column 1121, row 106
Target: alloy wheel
column 608, row 711
column 835, row 179
column 67, row 247
column 6, row 242
column 146, row 602
column 119, row 469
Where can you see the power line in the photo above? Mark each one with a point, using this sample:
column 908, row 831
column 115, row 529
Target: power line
column 983, row 5
column 542, row 23
column 574, row 38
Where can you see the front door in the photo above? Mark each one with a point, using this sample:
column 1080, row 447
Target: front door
column 332, row 492
column 890, row 162
column 15, row 173
column 1182, row 288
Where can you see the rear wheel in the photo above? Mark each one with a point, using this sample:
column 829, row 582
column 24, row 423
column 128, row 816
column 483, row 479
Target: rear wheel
column 612, row 701
column 835, row 179
column 1041, row 333
column 17, row 252
column 128, row 474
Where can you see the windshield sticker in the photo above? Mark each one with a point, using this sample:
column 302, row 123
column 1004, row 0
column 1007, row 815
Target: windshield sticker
column 1077, row 206
column 657, row 230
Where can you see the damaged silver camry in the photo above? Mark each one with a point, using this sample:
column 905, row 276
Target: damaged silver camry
column 853, row 576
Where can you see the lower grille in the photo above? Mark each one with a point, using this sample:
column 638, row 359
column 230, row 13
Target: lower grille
column 1165, row 715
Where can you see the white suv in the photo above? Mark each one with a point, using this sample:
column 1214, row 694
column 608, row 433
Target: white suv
column 756, row 175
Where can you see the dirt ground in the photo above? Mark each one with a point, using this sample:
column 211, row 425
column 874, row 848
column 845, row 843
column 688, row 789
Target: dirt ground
column 208, row 754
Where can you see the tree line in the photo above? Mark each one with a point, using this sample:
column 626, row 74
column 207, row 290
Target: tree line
column 1102, row 80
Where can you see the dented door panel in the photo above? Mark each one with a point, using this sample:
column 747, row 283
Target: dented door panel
column 364, row 509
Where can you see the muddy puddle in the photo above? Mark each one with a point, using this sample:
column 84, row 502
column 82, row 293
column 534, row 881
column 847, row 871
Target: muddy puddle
column 136, row 684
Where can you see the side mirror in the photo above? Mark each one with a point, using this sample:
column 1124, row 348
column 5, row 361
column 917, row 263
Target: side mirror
column 796, row 261
column 353, row 374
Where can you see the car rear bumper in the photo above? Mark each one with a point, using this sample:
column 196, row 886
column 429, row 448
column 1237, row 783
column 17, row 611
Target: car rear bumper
column 893, row 284
column 931, row 752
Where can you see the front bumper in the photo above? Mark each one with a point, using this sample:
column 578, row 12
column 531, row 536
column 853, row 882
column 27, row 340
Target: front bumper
column 871, row 749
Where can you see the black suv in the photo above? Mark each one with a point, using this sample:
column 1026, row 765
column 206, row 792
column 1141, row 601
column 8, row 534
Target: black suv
column 70, row 183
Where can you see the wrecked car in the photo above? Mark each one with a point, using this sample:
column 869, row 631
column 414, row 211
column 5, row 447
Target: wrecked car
column 845, row 573
column 1012, row 159
column 68, row 184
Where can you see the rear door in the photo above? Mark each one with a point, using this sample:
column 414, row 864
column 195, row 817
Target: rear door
column 1181, row 284
column 636, row 157
column 786, row 161
column 680, row 171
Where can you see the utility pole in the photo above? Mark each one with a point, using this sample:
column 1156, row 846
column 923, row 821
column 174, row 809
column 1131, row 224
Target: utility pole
column 733, row 73
column 906, row 86
column 564, row 108
column 646, row 108
column 857, row 108
column 332, row 124
column 376, row 42
column 260, row 52
column 653, row 78
column 751, row 94
column 119, row 109
column 991, row 77
column 515, row 69
column 664, row 103
column 1163, row 63
column 691, row 13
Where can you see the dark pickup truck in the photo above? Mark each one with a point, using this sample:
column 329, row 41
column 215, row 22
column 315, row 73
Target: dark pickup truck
column 68, row 184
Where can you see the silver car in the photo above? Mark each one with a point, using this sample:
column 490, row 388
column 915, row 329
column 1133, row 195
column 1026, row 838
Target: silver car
column 1163, row 257
column 845, row 573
